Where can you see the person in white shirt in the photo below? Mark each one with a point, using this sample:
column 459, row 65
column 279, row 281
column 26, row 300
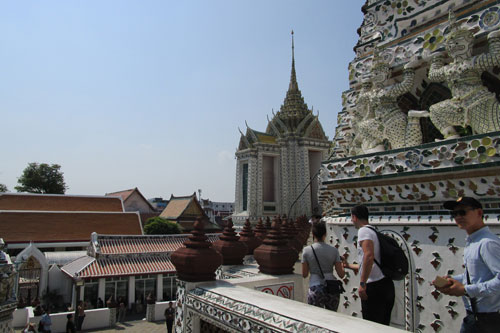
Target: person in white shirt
column 375, row 290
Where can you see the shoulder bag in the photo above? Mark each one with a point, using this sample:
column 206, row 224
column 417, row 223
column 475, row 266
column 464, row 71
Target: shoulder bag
column 332, row 286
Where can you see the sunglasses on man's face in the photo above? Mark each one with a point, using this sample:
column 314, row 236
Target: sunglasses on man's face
column 459, row 212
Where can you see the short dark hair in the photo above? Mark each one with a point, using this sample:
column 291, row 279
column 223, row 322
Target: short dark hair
column 319, row 229
column 361, row 212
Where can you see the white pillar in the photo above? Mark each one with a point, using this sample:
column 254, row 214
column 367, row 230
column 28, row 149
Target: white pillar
column 82, row 292
column 101, row 290
column 131, row 291
column 73, row 295
column 159, row 287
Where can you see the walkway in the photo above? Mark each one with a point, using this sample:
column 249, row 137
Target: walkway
column 136, row 326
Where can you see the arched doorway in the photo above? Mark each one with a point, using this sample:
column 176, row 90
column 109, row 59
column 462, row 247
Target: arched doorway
column 30, row 273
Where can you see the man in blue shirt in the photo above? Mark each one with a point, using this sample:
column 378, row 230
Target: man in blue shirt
column 480, row 283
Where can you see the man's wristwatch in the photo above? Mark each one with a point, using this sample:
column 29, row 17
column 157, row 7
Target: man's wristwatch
column 362, row 284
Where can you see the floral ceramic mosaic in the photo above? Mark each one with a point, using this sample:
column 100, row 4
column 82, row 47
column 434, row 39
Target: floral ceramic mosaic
column 452, row 153
column 239, row 316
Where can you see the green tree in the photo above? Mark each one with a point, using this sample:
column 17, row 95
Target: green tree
column 3, row 188
column 42, row 178
column 160, row 226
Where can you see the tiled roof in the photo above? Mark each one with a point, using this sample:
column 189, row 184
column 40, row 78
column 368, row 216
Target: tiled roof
column 129, row 255
column 176, row 207
column 127, row 266
column 144, row 244
column 54, row 202
column 264, row 137
column 26, row 226
column 128, row 193
column 122, row 194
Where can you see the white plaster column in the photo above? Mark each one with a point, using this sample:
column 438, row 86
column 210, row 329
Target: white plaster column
column 82, row 292
column 237, row 195
column 73, row 294
column 131, row 291
column 252, row 186
column 101, row 290
column 259, row 186
column 159, row 287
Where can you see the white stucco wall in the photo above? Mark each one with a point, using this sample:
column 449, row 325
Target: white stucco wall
column 94, row 319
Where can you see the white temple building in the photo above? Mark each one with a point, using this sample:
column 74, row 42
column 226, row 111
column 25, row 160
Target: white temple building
column 274, row 167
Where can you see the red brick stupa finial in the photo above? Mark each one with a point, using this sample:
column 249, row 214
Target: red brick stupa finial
column 197, row 261
column 275, row 256
column 268, row 224
column 229, row 247
column 294, row 240
column 248, row 237
column 260, row 230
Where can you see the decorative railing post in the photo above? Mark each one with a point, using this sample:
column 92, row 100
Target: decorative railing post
column 112, row 305
column 8, row 299
column 196, row 262
column 275, row 256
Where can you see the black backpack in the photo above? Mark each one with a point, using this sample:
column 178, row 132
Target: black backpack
column 393, row 261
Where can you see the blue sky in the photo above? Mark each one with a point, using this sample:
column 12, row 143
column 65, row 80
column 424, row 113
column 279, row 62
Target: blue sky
column 150, row 94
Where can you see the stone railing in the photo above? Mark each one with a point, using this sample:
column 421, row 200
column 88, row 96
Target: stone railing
column 238, row 308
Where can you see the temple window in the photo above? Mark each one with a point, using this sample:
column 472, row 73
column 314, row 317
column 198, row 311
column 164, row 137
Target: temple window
column 116, row 287
column 91, row 290
column 144, row 285
column 314, row 165
column 268, row 179
column 169, row 287
column 244, row 185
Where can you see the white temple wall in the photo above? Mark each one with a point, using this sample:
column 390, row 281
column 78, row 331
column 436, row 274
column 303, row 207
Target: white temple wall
column 60, row 282
column 433, row 247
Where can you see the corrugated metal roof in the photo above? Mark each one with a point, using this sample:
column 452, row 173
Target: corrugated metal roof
column 63, row 257
column 75, row 266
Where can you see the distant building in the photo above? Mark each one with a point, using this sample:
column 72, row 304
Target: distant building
column 130, row 267
column 274, row 167
column 158, row 204
column 185, row 210
column 32, row 223
column 134, row 201
column 217, row 211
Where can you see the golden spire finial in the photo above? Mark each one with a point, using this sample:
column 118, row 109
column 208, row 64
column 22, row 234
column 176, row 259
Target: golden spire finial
column 293, row 78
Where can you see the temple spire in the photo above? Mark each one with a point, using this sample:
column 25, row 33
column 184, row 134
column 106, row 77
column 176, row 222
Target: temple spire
column 293, row 78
